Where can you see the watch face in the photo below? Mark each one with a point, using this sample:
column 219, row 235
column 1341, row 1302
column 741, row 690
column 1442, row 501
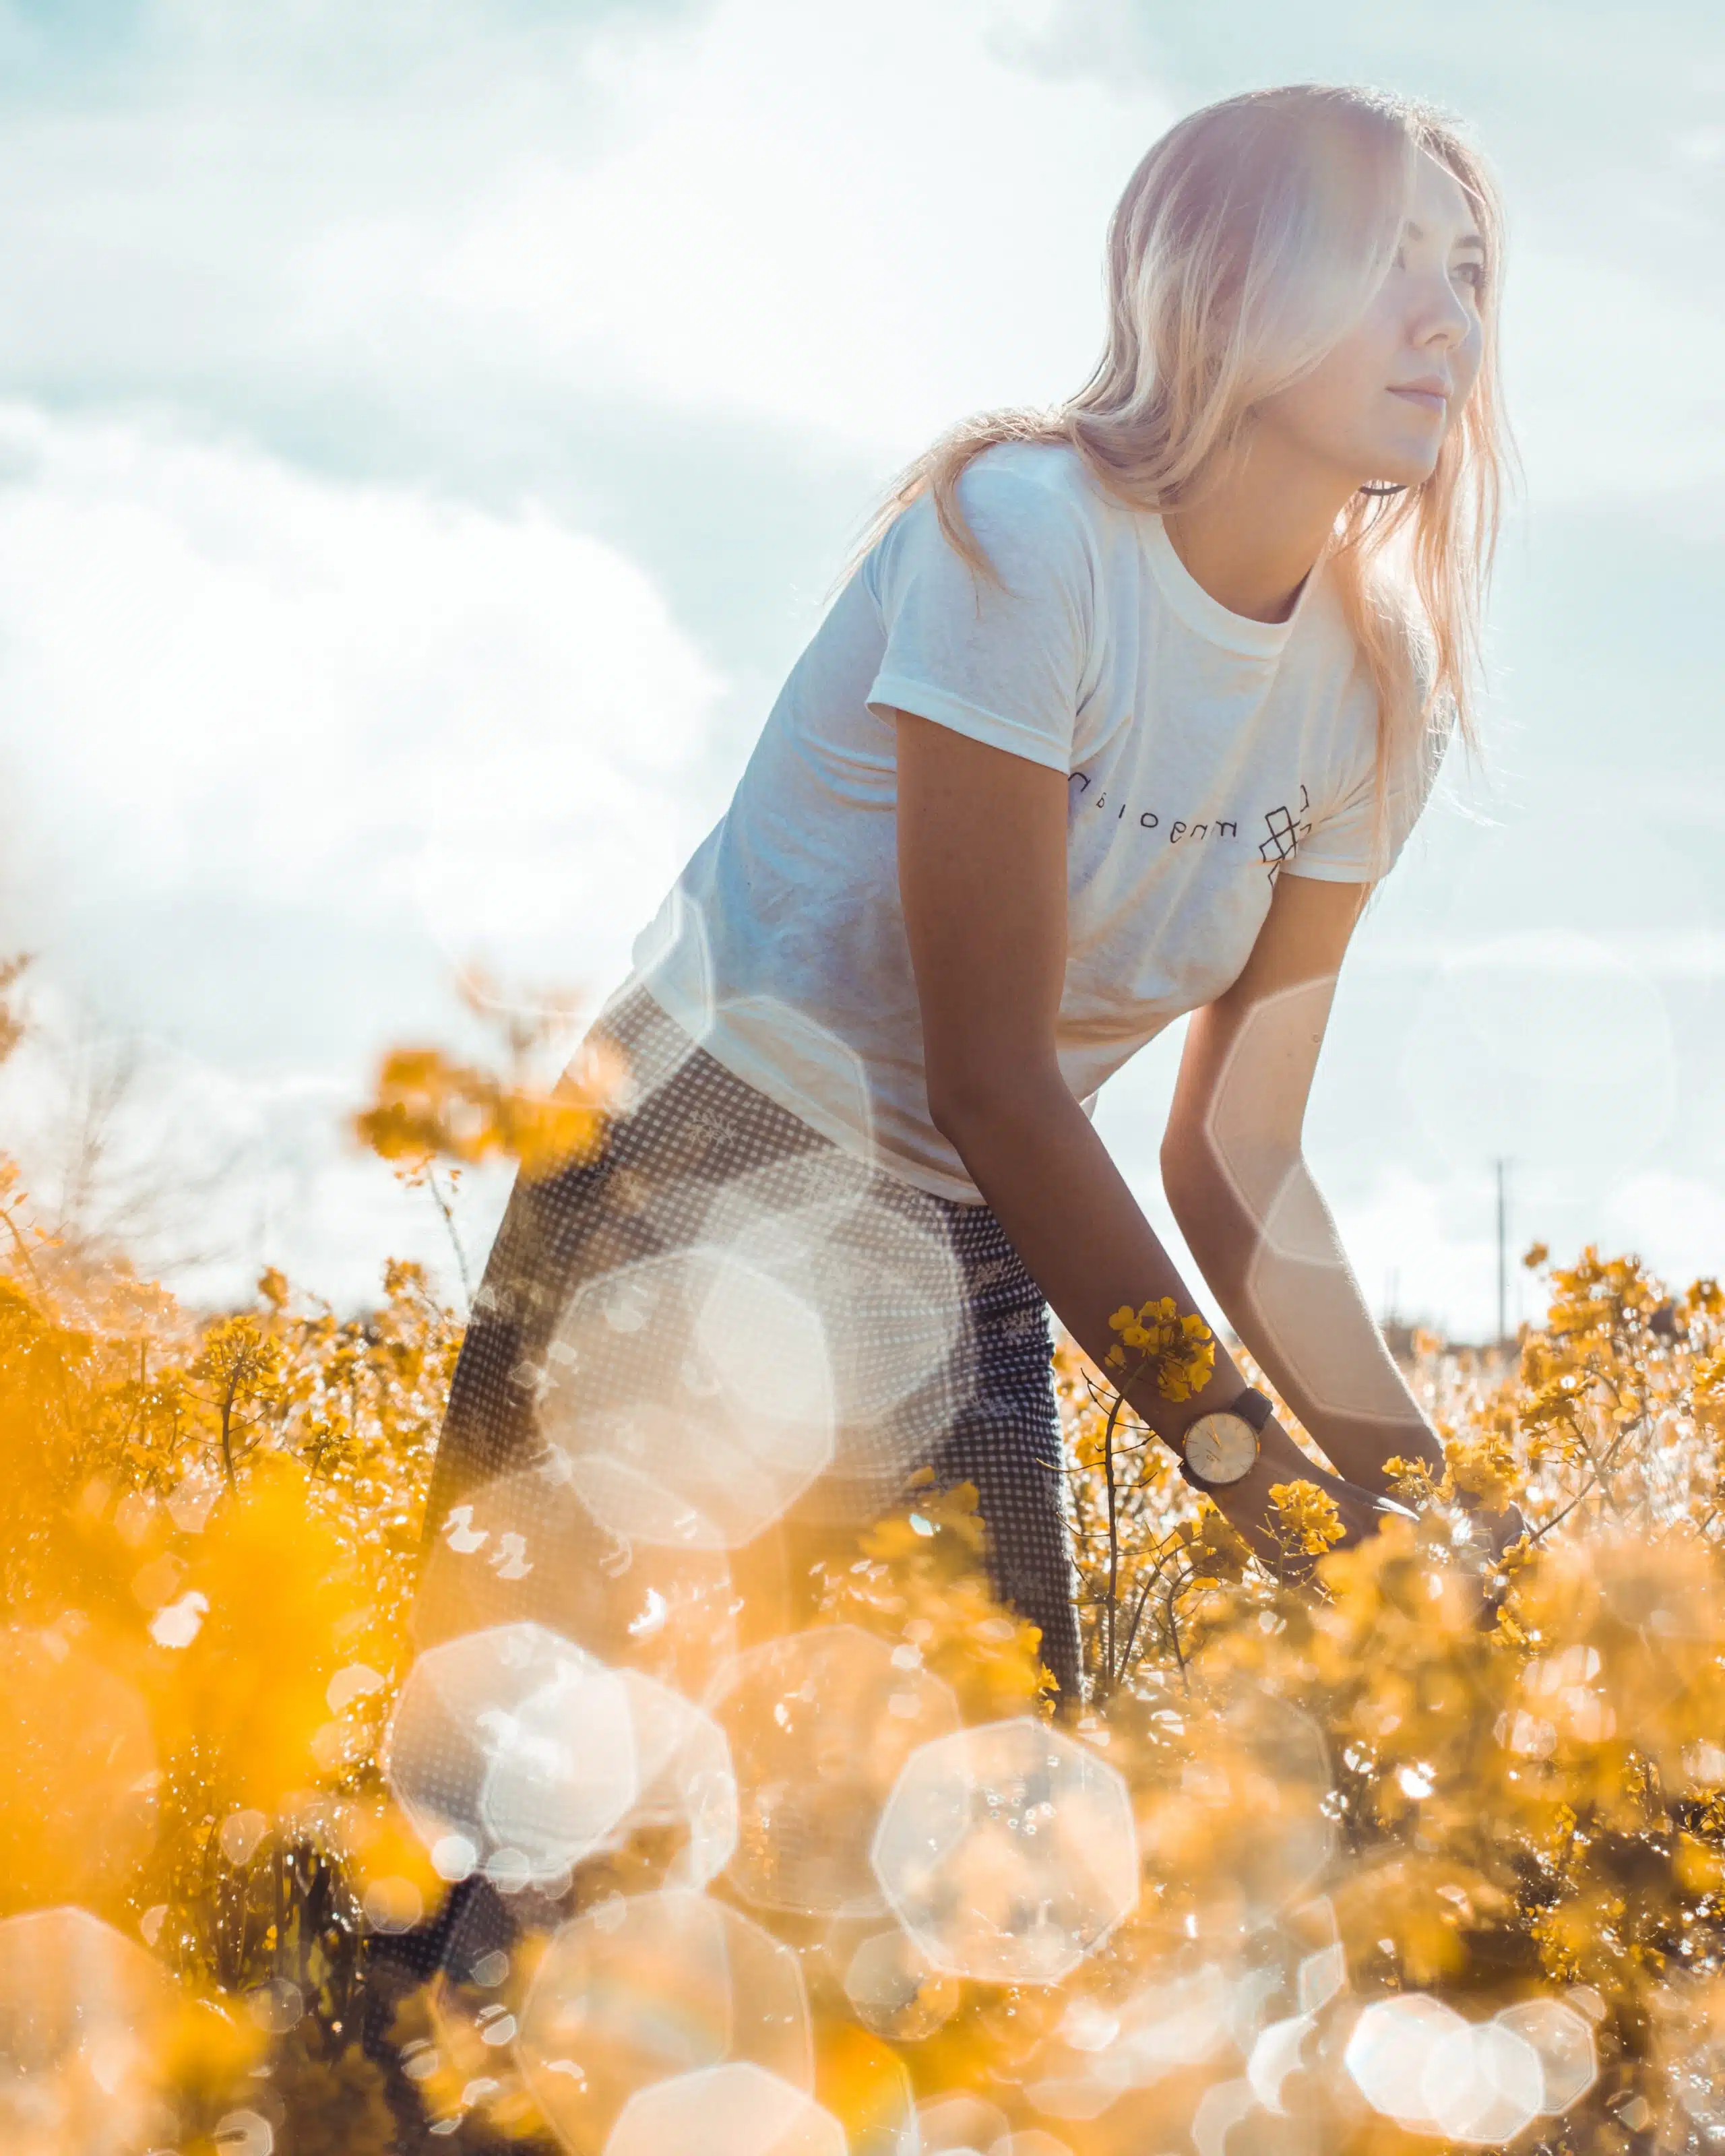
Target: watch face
column 1221, row 1447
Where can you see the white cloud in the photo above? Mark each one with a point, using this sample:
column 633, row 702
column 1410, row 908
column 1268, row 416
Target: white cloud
column 220, row 674
column 864, row 221
column 1609, row 371
column 1418, row 1254
column 231, row 689
column 861, row 221
column 1676, row 1221
column 1546, row 1048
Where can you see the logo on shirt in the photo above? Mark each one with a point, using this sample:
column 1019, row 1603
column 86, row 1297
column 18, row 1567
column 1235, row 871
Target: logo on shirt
column 1284, row 825
column 1286, row 832
column 1149, row 819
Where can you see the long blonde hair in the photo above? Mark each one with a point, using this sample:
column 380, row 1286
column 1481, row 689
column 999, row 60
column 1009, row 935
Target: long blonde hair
column 1250, row 238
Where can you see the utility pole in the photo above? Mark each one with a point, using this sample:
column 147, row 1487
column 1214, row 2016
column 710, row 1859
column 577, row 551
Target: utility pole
column 1503, row 1253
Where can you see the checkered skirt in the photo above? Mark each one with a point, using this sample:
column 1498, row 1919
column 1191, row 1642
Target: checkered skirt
column 686, row 1133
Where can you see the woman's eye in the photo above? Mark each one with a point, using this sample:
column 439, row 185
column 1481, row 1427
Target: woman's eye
column 1475, row 273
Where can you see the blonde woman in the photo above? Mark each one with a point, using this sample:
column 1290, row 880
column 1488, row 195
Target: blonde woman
column 1122, row 713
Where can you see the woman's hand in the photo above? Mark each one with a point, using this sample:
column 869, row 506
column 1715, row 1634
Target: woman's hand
column 1494, row 1532
column 1248, row 1509
column 1247, row 1506
column 1361, row 1450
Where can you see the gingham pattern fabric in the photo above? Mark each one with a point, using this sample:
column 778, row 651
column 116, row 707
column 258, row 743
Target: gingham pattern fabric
column 686, row 1129
column 692, row 1132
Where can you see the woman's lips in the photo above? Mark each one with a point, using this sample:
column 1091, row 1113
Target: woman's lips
column 1428, row 400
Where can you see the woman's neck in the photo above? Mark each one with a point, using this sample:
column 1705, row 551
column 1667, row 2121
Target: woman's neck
column 1259, row 522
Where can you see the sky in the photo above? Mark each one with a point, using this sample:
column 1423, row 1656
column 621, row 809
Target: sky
column 429, row 433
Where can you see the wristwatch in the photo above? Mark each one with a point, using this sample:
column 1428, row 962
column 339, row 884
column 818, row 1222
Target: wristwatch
column 1221, row 1447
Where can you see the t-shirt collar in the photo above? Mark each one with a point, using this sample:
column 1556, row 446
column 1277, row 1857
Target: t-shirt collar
column 1208, row 617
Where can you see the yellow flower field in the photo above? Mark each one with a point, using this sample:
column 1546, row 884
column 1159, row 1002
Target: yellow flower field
column 1427, row 1852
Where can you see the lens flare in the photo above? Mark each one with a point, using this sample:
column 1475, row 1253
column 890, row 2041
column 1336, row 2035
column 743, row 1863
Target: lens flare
column 690, row 1389
column 84, row 2016
column 526, row 1548
column 642, row 1991
column 737, row 2109
column 1007, row 1852
column 820, row 1725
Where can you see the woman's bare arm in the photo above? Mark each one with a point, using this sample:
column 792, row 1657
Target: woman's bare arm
column 982, row 839
column 1236, row 1177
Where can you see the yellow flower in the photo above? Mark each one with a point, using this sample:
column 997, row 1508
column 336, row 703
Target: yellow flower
column 1306, row 1518
column 1483, row 1465
column 1705, row 1297
column 1411, row 1480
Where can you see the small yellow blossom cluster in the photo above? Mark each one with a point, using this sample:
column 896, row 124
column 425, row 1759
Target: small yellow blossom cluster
column 1306, row 1516
column 427, row 1106
column 1180, row 1352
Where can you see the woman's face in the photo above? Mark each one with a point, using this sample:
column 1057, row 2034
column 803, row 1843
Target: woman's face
column 1379, row 405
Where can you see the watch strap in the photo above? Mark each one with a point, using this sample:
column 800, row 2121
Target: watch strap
column 1254, row 1407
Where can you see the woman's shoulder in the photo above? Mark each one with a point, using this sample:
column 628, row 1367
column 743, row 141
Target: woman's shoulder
column 1039, row 498
column 1052, row 467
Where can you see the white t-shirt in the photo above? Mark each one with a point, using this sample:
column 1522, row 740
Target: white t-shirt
column 1205, row 754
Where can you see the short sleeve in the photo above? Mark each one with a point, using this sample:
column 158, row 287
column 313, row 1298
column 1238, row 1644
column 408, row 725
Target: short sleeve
column 1339, row 847
column 1002, row 665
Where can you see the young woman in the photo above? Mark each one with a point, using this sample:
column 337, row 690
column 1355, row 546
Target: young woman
column 1122, row 713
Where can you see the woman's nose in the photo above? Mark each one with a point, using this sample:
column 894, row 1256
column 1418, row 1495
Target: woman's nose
column 1441, row 317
